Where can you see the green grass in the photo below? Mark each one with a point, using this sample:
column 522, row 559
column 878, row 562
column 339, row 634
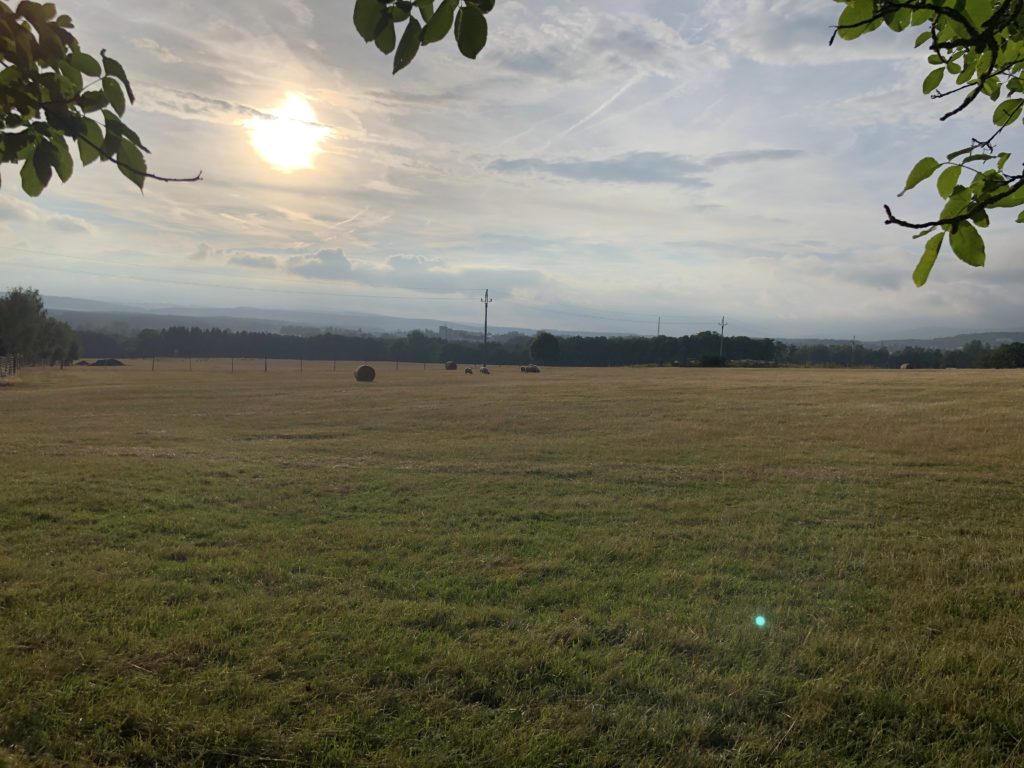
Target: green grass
column 437, row 569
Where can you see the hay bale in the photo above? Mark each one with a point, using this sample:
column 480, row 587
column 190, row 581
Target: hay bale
column 451, row 365
column 365, row 373
column 531, row 368
column 906, row 367
column 469, row 370
column 485, row 369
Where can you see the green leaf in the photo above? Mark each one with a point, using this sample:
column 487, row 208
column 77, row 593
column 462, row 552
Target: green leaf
column 486, row 6
column 925, row 167
column 1012, row 200
column 978, row 11
column 1007, row 112
column 934, row 78
column 924, row 266
column 440, row 23
column 426, row 8
column 408, row 46
column 968, row 245
column 113, row 67
column 1020, row 217
column 854, row 17
column 62, row 162
column 385, row 39
column 957, row 203
column 88, row 145
column 114, row 94
column 131, row 163
column 471, row 31
column 30, row 181
column 85, row 63
column 366, row 17
column 43, row 159
column 947, row 180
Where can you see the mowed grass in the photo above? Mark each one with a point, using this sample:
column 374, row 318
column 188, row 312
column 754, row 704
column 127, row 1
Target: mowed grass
column 211, row 569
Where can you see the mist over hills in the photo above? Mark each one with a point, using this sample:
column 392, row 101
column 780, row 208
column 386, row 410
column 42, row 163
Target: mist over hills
column 90, row 315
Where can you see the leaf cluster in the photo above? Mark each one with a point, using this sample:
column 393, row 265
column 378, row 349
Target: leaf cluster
column 426, row 22
column 977, row 50
column 53, row 93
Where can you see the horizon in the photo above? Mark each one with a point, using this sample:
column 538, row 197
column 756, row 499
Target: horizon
column 686, row 161
column 303, row 318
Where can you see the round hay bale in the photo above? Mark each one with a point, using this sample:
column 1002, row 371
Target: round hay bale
column 532, row 369
column 469, row 370
column 365, row 373
column 451, row 365
column 906, row 367
column 485, row 369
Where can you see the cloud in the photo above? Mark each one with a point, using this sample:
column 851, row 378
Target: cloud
column 12, row 209
column 256, row 262
column 744, row 156
column 70, row 224
column 201, row 253
column 191, row 105
column 591, row 43
column 329, row 264
column 796, row 33
column 642, row 167
column 151, row 46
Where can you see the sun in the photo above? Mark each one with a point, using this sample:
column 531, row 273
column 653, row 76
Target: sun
column 289, row 138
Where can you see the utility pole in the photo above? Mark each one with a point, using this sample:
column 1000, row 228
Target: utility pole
column 721, row 338
column 659, row 325
column 486, row 300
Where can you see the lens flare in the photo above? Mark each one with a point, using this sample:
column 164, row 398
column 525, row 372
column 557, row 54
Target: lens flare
column 760, row 620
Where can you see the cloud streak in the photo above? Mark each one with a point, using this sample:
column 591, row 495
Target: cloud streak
column 642, row 167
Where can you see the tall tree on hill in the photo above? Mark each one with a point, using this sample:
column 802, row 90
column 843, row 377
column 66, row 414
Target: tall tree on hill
column 29, row 334
column 544, row 348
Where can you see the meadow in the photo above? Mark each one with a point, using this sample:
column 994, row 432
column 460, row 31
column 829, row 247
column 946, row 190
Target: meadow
column 210, row 568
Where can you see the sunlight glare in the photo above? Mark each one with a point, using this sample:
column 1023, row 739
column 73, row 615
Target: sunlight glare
column 290, row 139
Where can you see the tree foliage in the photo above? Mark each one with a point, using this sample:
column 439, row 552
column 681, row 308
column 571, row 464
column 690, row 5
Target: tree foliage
column 425, row 22
column 29, row 333
column 53, row 93
column 545, row 348
column 976, row 48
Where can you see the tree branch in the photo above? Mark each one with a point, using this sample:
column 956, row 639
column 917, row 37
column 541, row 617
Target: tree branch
column 968, row 212
column 147, row 174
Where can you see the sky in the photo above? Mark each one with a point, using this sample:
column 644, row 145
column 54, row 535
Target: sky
column 601, row 164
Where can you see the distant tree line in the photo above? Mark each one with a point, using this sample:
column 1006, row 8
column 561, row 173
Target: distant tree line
column 422, row 347
column 30, row 335
column 974, row 354
column 516, row 349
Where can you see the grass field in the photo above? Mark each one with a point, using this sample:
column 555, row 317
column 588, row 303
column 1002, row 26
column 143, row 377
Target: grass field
column 561, row 569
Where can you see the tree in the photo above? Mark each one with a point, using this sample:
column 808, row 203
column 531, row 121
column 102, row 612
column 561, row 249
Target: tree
column 544, row 348
column 28, row 333
column 978, row 44
column 51, row 92
column 378, row 20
